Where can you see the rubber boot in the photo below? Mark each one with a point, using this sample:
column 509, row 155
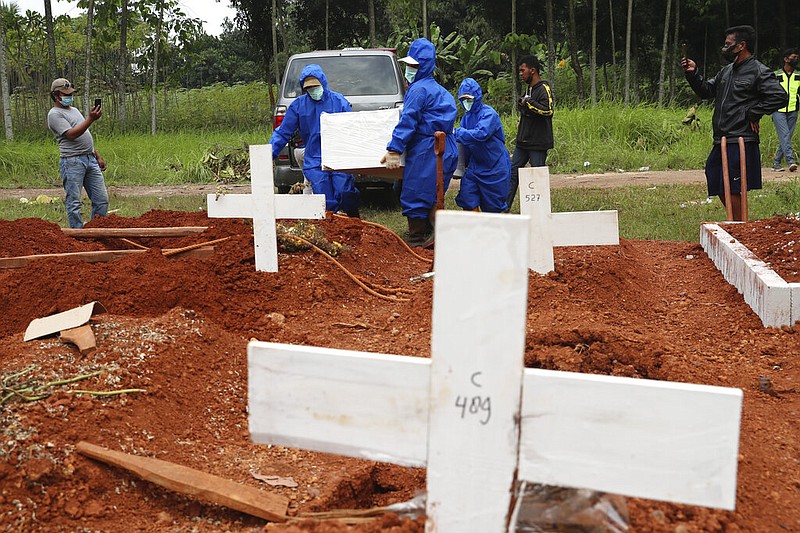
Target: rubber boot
column 418, row 232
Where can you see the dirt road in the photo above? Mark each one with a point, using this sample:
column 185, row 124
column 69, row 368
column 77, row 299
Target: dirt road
column 601, row 181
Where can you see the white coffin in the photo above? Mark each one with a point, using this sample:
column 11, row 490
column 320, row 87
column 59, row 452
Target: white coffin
column 355, row 142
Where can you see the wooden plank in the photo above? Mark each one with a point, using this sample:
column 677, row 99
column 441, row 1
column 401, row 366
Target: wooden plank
column 479, row 314
column 648, row 439
column 186, row 480
column 97, row 256
column 534, row 201
column 585, row 228
column 93, row 233
column 367, row 405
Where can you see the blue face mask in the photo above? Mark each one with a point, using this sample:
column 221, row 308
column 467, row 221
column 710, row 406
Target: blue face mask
column 467, row 103
column 316, row 92
column 67, row 100
column 411, row 73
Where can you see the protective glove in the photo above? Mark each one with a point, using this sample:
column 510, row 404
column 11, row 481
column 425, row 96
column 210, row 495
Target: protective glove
column 391, row 160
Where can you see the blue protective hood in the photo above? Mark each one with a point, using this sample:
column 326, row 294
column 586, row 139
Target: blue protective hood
column 471, row 87
column 425, row 53
column 316, row 71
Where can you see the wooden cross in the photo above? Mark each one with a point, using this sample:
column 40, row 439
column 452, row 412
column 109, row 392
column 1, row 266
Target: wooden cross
column 547, row 229
column 264, row 207
column 477, row 418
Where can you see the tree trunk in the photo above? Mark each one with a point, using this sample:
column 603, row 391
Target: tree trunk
column 87, row 79
column 156, row 43
column 628, row 30
column 123, row 65
column 675, row 47
column 372, row 37
column 51, row 40
column 327, row 23
column 425, row 18
column 573, row 52
column 664, row 44
column 514, row 69
column 614, row 84
column 551, row 44
column 755, row 24
column 7, row 120
column 277, row 72
column 593, row 55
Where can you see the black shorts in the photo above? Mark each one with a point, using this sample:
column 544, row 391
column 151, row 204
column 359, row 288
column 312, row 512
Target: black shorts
column 714, row 168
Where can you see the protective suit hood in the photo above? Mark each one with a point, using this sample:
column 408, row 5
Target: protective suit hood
column 471, row 87
column 425, row 53
column 316, row 71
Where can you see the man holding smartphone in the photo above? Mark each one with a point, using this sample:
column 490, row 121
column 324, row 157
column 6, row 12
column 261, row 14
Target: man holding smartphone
column 80, row 165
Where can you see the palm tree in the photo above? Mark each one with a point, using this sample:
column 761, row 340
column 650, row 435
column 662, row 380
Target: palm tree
column 88, row 77
column 628, row 31
column 156, row 42
column 51, row 39
column 4, row 80
column 664, row 44
column 123, row 64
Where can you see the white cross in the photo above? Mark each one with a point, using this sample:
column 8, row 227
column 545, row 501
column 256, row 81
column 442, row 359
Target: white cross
column 264, row 207
column 580, row 228
column 474, row 415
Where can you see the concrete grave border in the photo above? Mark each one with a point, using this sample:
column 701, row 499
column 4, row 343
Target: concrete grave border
column 775, row 301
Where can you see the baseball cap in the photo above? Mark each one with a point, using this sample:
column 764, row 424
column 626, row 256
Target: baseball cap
column 408, row 60
column 63, row 85
column 310, row 81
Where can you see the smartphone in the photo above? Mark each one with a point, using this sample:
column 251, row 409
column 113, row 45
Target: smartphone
column 98, row 102
column 683, row 50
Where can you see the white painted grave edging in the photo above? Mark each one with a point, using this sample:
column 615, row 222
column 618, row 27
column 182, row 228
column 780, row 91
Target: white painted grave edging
column 473, row 415
column 547, row 229
column 264, row 207
column 775, row 301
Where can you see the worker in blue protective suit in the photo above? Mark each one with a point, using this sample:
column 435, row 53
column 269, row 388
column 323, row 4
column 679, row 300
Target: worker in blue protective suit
column 485, row 183
column 427, row 108
column 339, row 188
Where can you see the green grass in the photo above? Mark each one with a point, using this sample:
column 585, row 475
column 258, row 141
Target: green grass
column 665, row 212
column 133, row 159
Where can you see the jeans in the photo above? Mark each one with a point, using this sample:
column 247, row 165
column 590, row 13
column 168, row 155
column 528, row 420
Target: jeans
column 784, row 127
column 520, row 157
column 83, row 172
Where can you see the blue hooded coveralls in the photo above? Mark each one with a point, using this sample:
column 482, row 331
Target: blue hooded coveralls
column 488, row 165
column 427, row 108
column 339, row 188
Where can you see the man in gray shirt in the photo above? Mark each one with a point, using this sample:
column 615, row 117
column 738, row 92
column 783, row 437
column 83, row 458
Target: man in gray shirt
column 80, row 164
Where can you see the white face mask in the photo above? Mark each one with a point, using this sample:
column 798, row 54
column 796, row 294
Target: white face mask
column 316, row 92
column 467, row 103
column 411, row 73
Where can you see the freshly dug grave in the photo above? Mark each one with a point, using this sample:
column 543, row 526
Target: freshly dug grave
column 177, row 328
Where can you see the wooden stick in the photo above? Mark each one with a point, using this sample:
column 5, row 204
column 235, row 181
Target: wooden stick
column 438, row 148
column 174, row 251
column 135, row 244
column 726, row 178
column 186, row 480
column 93, row 233
column 97, row 256
column 743, row 169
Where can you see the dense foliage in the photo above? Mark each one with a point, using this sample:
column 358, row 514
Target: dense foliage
column 476, row 38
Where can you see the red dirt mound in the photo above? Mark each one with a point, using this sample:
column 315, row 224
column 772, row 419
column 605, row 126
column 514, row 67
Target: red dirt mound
column 178, row 328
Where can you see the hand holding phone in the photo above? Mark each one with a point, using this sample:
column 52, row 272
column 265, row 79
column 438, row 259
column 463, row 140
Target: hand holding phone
column 98, row 102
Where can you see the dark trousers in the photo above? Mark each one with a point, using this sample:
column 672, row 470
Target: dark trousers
column 519, row 159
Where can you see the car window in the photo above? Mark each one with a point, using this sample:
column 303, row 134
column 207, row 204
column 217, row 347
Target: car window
column 349, row 75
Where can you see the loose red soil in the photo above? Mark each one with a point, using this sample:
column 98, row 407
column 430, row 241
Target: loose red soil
column 178, row 328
